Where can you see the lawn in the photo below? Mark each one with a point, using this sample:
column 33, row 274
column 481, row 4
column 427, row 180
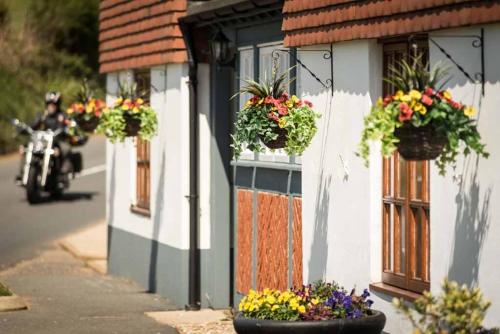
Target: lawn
column 4, row 291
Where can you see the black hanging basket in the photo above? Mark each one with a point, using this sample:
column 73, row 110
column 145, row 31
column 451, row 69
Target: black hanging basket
column 372, row 324
column 420, row 143
column 279, row 142
column 87, row 125
column 132, row 125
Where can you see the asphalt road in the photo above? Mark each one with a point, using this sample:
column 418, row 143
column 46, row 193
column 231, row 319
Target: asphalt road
column 26, row 229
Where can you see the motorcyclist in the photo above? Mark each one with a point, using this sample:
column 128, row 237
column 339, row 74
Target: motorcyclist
column 53, row 118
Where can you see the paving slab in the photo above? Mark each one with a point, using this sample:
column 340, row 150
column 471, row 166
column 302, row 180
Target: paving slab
column 89, row 243
column 65, row 296
column 205, row 321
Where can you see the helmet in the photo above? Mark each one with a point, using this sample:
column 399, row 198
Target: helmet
column 53, row 97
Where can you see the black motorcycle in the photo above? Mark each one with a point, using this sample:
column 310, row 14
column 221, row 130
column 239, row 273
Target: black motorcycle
column 41, row 170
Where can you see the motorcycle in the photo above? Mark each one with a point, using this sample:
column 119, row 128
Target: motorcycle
column 41, row 170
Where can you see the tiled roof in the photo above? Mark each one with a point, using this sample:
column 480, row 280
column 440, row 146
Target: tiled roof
column 140, row 33
column 327, row 21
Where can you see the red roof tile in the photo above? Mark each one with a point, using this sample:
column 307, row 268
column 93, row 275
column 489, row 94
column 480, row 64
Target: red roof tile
column 328, row 21
column 140, row 33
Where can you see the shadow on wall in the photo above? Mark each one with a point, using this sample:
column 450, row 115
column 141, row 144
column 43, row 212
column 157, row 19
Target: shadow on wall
column 153, row 264
column 471, row 228
column 319, row 248
column 112, row 189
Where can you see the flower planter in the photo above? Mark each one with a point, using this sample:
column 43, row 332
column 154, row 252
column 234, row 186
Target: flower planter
column 87, row 125
column 372, row 324
column 279, row 142
column 420, row 143
column 132, row 125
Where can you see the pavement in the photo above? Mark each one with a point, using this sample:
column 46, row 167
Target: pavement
column 26, row 230
column 65, row 296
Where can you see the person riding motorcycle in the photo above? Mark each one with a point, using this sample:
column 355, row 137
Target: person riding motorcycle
column 53, row 118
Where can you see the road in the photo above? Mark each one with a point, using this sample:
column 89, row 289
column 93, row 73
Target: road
column 26, row 229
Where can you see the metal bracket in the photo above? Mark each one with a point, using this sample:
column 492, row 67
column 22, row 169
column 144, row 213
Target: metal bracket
column 327, row 55
column 478, row 43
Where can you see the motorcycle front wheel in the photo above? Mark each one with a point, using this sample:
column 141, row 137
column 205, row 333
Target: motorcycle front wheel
column 33, row 187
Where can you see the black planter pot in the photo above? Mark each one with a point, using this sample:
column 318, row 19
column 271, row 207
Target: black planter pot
column 279, row 142
column 372, row 324
column 132, row 125
column 422, row 143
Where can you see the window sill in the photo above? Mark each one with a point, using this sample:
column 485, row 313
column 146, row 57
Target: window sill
column 140, row 211
column 394, row 291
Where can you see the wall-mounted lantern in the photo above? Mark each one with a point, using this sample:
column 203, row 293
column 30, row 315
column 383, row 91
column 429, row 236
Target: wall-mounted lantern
column 221, row 48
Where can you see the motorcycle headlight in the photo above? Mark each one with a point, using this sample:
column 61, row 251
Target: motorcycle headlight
column 38, row 146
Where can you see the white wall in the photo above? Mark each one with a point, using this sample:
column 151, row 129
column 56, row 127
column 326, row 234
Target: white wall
column 465, row 234
column 342, row 200
column 169, row 222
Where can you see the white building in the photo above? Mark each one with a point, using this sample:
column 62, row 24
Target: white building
column 274, row 221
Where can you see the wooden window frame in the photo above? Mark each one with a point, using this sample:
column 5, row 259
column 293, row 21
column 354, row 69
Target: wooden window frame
column 142, row 202
column 399, row 276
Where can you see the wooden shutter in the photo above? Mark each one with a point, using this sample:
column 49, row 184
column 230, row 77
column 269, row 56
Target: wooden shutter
column 143, row 167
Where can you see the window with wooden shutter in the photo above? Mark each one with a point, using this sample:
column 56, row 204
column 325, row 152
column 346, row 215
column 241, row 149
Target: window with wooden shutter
column 143, row 153
column 405, row 200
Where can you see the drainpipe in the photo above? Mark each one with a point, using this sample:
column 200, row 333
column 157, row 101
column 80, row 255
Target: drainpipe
column 194, row 255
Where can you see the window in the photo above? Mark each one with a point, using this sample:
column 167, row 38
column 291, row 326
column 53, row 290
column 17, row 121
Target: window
column 405, row 201
column 143, row 172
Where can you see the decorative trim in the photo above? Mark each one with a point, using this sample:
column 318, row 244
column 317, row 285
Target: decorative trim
column 394, row 291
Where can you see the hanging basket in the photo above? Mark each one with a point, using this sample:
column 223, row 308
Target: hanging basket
column 279, row 142
column 132, row 125
column 420, row 143
column 87, row 125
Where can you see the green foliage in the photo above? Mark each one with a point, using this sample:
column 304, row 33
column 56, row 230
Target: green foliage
column 4, row 291
column 458, row 310
column 44, row 45
column 418, row 103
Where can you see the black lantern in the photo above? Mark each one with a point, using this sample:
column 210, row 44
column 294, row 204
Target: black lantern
column 220, row 48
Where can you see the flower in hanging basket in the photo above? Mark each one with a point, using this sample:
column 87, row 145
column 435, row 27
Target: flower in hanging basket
column 274, row 118
column 129, row 116
column 308, row 309
column 421, row 120
column 87, row 110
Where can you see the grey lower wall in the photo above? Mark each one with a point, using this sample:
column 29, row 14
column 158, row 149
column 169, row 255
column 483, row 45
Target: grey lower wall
column 157, row 267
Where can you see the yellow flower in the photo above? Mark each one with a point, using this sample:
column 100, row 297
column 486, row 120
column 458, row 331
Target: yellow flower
column 314, row 301
column 139, row 101
column 135, row 110
column 289, row 104
column 398, row 95
column 294, row 99
column 118, row 101
column 405, row 98
column 240, row 308
column 261, row 101
column 275, row 307
column 380, row 102
column 302, row 309
column 271, row 300
column 447, row 95
column 69, row 111
column 247, row 306
column 125, row 107
column 248, row 104
column 89, row 109
column 252, row 308
column 266, row 291
column 282, row 122
column 419, row 107
column 415, row 94
column 469, row 111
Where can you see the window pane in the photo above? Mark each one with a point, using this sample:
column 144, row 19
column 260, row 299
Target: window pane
column 388, row 228
column 417, row 243
column 417, row 181
column 399, row 229
column 402, row 177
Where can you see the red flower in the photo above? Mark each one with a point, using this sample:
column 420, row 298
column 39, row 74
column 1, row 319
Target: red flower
column 429, row 91
column 387, row 100
column 273, row 117
column 299, row 103
column 255, row 99
column 456, row 105
column 426, row 100
column 269, row 100
column 406, row 112
column 283, row 110
column 285, row 96
column 307, row 103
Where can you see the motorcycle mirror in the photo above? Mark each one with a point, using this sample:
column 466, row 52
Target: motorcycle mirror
column 15, row 121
